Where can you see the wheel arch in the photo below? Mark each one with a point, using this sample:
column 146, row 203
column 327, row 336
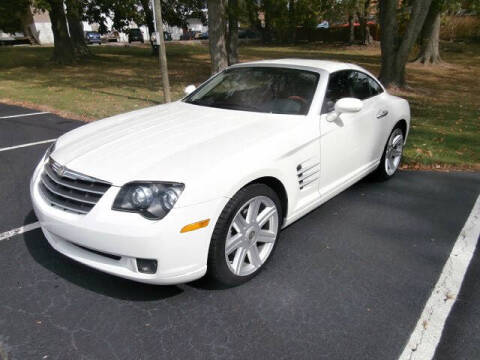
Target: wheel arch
column 276, row 185
column 402, row 124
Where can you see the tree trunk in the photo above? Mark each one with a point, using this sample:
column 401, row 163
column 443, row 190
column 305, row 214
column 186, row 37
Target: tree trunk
column 292, row 21
column 395, row 52
column 217, row 34
column 351, row 29
column 364, row 29
column 149, row 20
column 63, row 52
column 74, row 17
column 232, row 48
column 429, row 51
column 148, row 15
column 162, row 52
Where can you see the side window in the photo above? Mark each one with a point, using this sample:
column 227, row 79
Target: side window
column 377, row 89
column 363, row 86
column 360, row 85
column 338, row 87
column 349, row 83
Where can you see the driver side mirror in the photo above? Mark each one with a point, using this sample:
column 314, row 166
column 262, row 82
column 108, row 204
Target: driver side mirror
column 189, row 89
column 345, row 105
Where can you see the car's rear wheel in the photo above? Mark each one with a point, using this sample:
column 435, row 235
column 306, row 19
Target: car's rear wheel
column 245, row 235
column 392, row 155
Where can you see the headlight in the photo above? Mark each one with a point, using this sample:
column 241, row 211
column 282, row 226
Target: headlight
column 153, row 200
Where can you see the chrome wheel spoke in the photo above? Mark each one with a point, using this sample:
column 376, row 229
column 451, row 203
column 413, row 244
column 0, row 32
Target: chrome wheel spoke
column 233, row 243
column 253, row 210
column 254, row 256
column 266, row 215
column 239, row 260
column 265, row 236
column 239, row 223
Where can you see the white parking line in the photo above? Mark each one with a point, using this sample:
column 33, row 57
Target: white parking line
column 426, row 335
column 22, row 115
column 25, row 145
column 20, row 230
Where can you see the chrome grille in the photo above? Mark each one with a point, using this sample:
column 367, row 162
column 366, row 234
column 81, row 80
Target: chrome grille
column 69, row 190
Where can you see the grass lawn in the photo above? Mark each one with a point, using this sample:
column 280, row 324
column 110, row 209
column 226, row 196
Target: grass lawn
column 445, row 100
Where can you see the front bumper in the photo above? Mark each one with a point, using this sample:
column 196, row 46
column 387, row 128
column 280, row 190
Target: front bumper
column 181, row 257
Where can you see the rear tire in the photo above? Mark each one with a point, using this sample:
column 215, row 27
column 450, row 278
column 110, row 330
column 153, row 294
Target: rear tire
column 245, row 236
column 392, row 155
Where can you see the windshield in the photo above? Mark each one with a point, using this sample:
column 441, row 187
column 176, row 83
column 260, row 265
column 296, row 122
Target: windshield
column 261, row 89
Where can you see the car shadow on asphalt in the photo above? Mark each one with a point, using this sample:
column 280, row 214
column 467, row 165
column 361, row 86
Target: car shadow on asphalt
column 89, row 278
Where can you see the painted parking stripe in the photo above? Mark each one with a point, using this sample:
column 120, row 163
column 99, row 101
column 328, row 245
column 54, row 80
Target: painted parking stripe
column 22, row 115
column 25, row 145
column 428, row 331
column 20, row 230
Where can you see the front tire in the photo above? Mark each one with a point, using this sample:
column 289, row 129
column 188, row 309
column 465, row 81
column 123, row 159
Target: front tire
column 245, row 235
column 392, row 155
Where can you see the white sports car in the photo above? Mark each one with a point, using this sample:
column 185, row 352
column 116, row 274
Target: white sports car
column 167, row 194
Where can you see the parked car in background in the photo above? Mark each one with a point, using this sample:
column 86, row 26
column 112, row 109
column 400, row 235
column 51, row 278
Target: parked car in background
column 112, row 36
column 92, row 37
column 166, row 194
column 189, row 35
column 202, row 36
column 135, row 35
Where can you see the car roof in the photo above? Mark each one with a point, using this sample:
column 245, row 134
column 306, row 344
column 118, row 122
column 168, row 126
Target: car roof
column 326, row 65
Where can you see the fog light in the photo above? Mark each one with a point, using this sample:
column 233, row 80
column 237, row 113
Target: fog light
column 147, row 266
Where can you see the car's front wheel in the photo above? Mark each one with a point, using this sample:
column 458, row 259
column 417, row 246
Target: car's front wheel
column 392, row 155
column 245, row 235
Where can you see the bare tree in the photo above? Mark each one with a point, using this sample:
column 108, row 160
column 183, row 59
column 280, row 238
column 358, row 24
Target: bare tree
column 430, row 36
column 396, row 49
column 217, row 14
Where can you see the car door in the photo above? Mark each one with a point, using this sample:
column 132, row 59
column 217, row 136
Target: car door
column 346, row 149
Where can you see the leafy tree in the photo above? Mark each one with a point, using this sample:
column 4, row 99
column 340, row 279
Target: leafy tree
column 123, row 12
column 12, row 14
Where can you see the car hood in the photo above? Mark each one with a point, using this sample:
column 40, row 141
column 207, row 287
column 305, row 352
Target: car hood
column 177, row 142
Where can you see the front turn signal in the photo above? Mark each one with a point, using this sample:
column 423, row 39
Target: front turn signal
column 195, row 226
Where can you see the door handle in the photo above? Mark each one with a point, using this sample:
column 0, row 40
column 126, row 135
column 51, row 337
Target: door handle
column 382, row 113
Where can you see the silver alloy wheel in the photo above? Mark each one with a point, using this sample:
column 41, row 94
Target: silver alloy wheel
column 394, row 151
column 251, row 236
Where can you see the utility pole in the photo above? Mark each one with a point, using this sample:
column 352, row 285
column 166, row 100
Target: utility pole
column 157, row 10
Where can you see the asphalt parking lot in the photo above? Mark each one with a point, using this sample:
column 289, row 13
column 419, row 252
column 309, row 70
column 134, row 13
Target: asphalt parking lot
column 348, row 281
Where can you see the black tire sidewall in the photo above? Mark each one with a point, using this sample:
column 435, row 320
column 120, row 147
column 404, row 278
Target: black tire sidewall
column 217, row 268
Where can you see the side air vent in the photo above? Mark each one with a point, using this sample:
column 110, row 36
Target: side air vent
column 307, row 173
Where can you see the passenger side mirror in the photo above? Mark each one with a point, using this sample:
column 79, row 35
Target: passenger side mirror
column 189, row 89
column 345, row 105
